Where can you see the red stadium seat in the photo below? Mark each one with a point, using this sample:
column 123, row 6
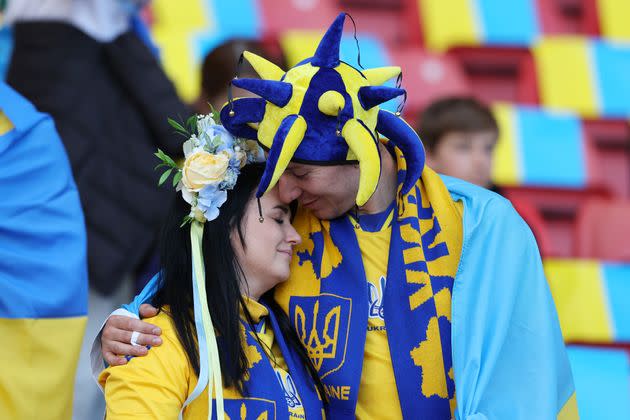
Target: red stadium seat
column 558, row 208
column 279, row 16
column 427, row 76
column 568, row 17
column 499, row 73
column 609, row 143
column 603, row 230
column 532, row 217
column 394, row 21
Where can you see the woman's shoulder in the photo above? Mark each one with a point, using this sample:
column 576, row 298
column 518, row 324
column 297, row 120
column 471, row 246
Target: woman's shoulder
column 163, row 320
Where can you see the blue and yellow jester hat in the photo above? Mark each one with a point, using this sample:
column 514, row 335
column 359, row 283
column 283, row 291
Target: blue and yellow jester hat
column 323, row 112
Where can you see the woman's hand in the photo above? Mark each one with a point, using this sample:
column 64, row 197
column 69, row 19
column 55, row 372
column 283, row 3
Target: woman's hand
column 116, row 336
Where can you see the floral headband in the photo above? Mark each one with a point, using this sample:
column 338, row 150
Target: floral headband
column 213, row 159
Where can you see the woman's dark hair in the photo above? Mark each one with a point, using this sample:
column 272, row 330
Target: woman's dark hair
column 223, row 282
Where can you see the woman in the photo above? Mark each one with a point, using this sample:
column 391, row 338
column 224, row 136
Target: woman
column 246, row 247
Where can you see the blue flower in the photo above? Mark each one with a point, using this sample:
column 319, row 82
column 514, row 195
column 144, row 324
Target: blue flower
column 210, row 199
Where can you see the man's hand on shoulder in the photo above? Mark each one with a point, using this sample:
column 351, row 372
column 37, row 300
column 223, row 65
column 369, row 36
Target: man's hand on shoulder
column 117, row 332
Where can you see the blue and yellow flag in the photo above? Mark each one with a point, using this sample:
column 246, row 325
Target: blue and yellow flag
column 43, row 271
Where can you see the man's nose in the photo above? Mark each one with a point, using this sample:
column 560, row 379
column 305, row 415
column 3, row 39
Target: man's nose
column 288, row 189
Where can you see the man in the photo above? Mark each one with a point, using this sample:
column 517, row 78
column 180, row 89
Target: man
column 415, row 296
column 43, row 267
column 460, row 135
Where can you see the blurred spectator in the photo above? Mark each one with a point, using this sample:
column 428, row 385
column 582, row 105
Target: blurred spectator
column 43, row 267
column 459, row 135
column 81, row 62
column 220, row 67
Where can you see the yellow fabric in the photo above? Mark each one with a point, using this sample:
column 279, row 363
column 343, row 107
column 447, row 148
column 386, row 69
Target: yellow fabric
column 614, row 16
column 361, row 143
column 38, row 365
column 173, row 30
column 264, row 68
column 155, row 386
column 447, row 23
column 565, row 74
column 5, row 124
column 570, row 410
column 379, row 75
column 578, row 291
column 507, row 168
column 291, row 142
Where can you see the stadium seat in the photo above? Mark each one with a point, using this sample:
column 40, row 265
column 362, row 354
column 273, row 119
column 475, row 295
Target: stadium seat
column 591, row 299
column 558, row 208
column 540, row 148
column 603, row 230
column 568, row 17
column 280, row 16
column 610, row 142
column 394, row 21
column 427, row 76
column 614, row 16
column 499, row 73
column 602, row 382
column 453, row 23
column 534, row 220
column 590, row 77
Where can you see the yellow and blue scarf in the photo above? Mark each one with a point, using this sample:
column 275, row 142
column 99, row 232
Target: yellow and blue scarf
column 327, row 300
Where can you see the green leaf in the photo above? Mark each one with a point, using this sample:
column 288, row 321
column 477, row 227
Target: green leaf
column 159, row 166
column 191, row 123
column 166, row 159
column 164, row 177
column 177, row 126
column 177, row 178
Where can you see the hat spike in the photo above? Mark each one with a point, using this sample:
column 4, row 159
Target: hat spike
column 363, row 144
column 327, row 53
column 379, row 75
column 287, row 139
column 370, row 96
column 407, row 140
column 265, row 68
column 278, row 93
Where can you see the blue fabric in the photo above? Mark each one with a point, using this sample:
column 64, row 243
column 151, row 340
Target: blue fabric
column 512, row 22
column 274, row 153
column 371, row 96
column 6, row 46
column 552, row 148
column 246, row 110
column 508, row 354
column 343, row 300
column 320, row 143
column 43, row 269
column 278, row 93
column 602, row 382
column 406, row 139
column 327, row 53
column 611, row 63
column 617, row 278
column 408, row 326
